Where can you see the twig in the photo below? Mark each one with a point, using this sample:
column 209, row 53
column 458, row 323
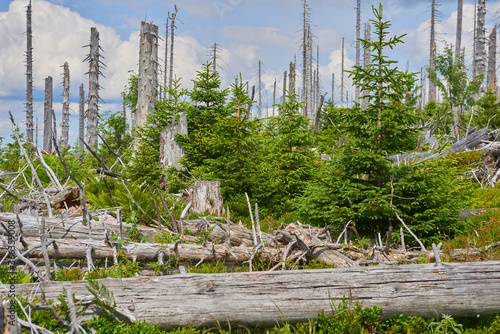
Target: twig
column 85, row 212
column 285, row 254
column 108, row 190
column 46, row 258
column 35, row 175
column 90, row 264
column 185, row 211
column 138, row 206
column 251, row 218
column 435, row 250
column 412, row 234
column 156, row 207
column 49, row 170
column 172, row 219
column 343, row 231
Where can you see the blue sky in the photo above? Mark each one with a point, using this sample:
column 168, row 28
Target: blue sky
column 246, row 30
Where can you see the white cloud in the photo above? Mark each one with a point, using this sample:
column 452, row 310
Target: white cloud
column 262, row 36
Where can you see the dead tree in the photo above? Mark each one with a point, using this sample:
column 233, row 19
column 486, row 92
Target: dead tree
column 291, row 79
column 458, row 42
column 480, row 43
column 284, row 85
column 259, row 111
column 165, row 67
column 172, row 36
column 170, row 149
column 366, row 62
column 274, row 98
column 29, row 76
column 65, row 108
column 333, row 87
column 310, row 100
column 432, row 51
column 81, row 117
column 148, row 72
column 305, row 58
column 47, row 116
column 342, row 78
column 492, row 60
column 93, row 97
column 358, row 43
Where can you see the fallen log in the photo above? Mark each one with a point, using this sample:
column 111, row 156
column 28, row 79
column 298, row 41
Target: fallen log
column 144, row 252
column 72, row 228
column 263, row 299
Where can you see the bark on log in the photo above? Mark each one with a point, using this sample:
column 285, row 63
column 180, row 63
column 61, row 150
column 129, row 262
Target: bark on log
column 70, row 196
column 262, row 299
column 145, row 252
column 72, row 228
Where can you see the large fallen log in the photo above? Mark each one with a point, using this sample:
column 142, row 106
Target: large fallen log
column 144, row 252
column 72, row 228
column 265, row 298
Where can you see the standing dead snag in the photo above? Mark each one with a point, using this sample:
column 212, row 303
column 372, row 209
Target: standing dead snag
column 492, row 61
column 170, row 149
column 432, row 51
column 172, row 35
column 29, row 76
column 94, row 71
column 479, row 66
column 47, row 116
column 81, row 117
column 65, row 108
column 148, row 69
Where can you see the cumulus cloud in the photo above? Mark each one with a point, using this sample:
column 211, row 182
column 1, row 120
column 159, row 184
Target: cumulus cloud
column 263, row 36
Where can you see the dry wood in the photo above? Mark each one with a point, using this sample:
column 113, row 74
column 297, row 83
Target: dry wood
column 65, row 111
column 73, row 228
column 47, row 116
column 170, row 149
column 93, row 97
column 202, row 300
column 206, row 196
column 147, row 76
column 144, row 252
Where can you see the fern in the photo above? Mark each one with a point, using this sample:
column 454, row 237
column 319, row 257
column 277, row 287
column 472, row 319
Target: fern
column 103, row 298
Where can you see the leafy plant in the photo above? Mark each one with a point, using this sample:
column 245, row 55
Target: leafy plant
column 103, row 298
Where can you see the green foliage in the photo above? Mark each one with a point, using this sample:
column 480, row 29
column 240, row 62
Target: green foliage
column 18, row 277
column 103, row 298
column 488, row 110
column 452, row 79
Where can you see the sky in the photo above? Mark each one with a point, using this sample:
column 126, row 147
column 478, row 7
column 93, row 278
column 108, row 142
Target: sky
column 246, row 32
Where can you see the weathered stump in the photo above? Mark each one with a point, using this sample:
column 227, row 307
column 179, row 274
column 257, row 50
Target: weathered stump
column 206, row 196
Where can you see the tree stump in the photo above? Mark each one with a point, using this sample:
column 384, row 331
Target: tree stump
column 206, row 196
column 170, row 149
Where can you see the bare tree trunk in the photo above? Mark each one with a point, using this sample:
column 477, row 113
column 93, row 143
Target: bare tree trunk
column 480, row 41
column 305, row 59
column 148, row 69
column 432, row 53
column 284, row 86
column 310, row 101
column 81, row 117
column 358, row 43
column 172, row 35
column 366, row 62
column 47, row 116
column 65, row 108
column 214, row 61
column 259, row 110
column 317, row 79
column 492, row 60
column 474, row 69
column 274, row 98
column 342, row 78
column 93, row 97
column 333, row 87
column 458, row 43
column 29, row 76
column 165, row 67
column 291, row 79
